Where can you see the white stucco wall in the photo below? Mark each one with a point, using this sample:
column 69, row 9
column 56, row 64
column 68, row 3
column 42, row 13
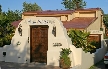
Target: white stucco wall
column 21, row 53
column 3, row 49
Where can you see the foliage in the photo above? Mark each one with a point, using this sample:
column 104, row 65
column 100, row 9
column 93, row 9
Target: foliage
column 96, row 44
column 105, row 20
column 31, row 7
column 64, row 59
column 13, row 15
column 65, row 52
column 2, row 16
column 10, row 15
column 16, row 15
column 0, row 9
column 105, row 36
column 6, row 32
column 80, row 40
column 73, row 4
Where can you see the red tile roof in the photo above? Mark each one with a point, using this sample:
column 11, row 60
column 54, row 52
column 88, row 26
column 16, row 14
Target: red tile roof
column 49, row 12
column 79, row 22
column 89, row 9
column 52, row 12
column 16, row 23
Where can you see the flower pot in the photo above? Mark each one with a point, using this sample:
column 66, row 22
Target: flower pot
column 62, row 65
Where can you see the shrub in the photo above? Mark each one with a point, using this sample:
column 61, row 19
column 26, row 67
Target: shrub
column 80, row 40
column 64, row 58
column 6, row 32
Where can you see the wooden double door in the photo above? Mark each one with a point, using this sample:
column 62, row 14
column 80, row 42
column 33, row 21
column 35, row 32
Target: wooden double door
column 39, row 43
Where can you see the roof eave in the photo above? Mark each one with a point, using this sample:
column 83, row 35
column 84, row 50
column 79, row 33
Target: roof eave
column 46, row 14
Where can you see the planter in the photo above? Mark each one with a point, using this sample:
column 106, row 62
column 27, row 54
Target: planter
column 65, row 61
column 63, row 65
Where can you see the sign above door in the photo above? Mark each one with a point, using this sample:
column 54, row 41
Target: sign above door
column 40, row 21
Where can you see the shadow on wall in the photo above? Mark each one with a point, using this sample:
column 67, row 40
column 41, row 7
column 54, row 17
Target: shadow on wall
column 15, row 53
column 99, row 54
column 98, row 59
column 94, row 57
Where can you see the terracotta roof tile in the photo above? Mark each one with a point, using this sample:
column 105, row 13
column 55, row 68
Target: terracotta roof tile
column 16, row 23
column 89, row 9
column 52, row 12
column 49, row 12
column 79, row 22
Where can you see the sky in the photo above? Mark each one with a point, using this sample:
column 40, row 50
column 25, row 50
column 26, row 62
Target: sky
column 51, row 4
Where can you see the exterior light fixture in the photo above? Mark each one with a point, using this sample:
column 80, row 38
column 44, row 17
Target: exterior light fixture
column 54, row 30
column 20, row 30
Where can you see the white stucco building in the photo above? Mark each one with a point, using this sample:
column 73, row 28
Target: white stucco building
column 41, row 40
column 43, row 37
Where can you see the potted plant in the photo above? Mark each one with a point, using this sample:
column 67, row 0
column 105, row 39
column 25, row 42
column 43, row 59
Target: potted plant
column 65, row 62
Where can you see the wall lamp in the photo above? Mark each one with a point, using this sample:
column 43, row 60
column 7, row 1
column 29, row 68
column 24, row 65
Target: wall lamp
column 20, row 30
column 54, row 30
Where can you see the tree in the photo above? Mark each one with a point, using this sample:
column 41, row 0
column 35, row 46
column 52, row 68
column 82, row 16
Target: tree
column 2, row 16
column 0, row 9
column 105, row 20
column 13, row 15
column 10, row 15
column 31, row 7
column 6, row 32
column 73, row 4
column 6, row 28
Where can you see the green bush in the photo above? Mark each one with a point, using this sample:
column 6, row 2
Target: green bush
column 80, row 40
column 96, row 44
column 6, row 32
column 1, row 42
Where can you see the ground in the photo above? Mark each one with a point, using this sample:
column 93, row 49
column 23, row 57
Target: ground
column 100, row 65
column 9, row 65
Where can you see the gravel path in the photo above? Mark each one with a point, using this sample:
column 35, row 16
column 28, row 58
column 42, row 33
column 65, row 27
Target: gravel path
column 9, row 65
